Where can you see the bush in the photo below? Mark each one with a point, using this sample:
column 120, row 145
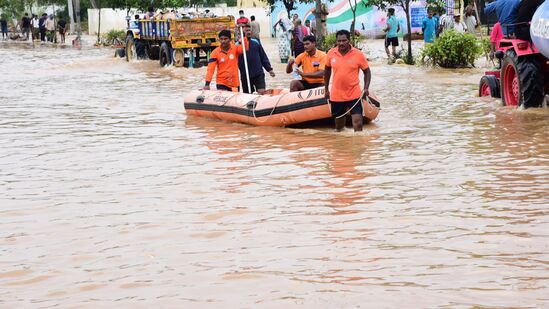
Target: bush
column 114, row 37
column 452, row 50
column 329, row 42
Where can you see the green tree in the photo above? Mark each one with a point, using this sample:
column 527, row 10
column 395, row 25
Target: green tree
column 405, row 5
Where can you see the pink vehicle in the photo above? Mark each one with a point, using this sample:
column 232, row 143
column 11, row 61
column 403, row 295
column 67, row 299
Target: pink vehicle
column 523, row 80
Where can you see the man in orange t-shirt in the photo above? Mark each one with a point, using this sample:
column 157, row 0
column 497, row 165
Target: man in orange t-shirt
column 345, row 62
column 312, row 62
column 225, row 59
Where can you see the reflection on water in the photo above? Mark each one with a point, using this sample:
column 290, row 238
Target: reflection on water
column 111, row 195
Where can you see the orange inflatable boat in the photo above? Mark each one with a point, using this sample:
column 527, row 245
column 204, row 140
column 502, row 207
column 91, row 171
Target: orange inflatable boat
column 277, row 108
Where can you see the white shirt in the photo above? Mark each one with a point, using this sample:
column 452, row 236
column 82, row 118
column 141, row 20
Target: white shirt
column 459, row 27
column 35, row 23
column 470, row 22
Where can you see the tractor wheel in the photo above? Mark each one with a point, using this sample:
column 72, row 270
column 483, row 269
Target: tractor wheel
column 531, row 81
column 165, row 54
column 510, row 85
column 489, row 87
column 131, row 49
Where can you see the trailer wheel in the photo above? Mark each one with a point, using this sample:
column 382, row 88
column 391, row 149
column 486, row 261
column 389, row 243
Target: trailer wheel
column 531, row 81
column 489, row 87
column 131, row 51
column 165, row 55
column 178, row 57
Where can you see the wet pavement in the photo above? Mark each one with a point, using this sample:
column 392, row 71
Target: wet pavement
column 112, row 197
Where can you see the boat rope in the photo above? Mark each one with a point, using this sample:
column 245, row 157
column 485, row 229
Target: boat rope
column 272, row 111
column 350, row 109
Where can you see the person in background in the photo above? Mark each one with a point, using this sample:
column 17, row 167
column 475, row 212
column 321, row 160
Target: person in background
column 429, row 28
column 135, row 22
column 4, row 27
column 35, row 27
column 242, row 19
column 495, row 37
column 298, row 34
column 50, row 27
column 62, row 28
column 308, row 26
column 445, row 23
column 526, row 11
column 255, row 28
column 343, row 65
column 470, row 20
column 150, row 13
column 25, row 25
column 281, row 28
column 507, row 14
column 257, row 61
column 459, row 26
column 224, row 58
column 392, row 29
column 312, row 63
column 42, row 27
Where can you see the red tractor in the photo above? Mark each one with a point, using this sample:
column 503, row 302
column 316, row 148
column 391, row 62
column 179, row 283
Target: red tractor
column 523, row 80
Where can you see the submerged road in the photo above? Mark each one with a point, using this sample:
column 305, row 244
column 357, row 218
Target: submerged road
column 110, row 196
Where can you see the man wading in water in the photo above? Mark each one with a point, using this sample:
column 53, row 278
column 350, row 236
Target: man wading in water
column 346, row 62
column 224, row 58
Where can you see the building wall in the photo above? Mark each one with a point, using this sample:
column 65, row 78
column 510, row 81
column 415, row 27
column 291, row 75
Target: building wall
column 116, row 19
column 252, row 4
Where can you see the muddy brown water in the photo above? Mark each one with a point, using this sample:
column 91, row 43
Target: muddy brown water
column 112, row 197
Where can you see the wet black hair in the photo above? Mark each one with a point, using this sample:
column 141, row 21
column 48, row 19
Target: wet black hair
column 225, row 33
column 310, row 38
column 241, row 11
column 343, row 32
column 136, row 16
column 391, row 10
column 252, row 17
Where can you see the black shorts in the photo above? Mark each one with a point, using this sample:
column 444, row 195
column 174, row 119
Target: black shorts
column 340, row 108
column 224, row 88
column 258, row 82
column 391, row 41
column 307, row 85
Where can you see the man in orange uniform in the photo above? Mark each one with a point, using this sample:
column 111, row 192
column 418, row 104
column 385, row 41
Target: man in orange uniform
column 346, row 62
column 312, row 62
column 225, row 59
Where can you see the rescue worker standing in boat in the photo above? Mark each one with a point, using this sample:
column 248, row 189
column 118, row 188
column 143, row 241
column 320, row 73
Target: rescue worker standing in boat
column 345, row 62
column 312, row 62
column 225, row 59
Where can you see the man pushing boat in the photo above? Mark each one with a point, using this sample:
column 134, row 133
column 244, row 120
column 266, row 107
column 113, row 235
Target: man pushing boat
column 345, row 62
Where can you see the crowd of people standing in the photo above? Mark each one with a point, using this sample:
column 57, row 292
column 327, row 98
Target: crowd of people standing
column 44, row 28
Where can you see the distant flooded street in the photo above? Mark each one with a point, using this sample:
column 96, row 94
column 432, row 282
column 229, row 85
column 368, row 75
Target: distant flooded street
column 112, row 197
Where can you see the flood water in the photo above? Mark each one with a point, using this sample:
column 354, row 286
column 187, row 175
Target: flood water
column 111, row 197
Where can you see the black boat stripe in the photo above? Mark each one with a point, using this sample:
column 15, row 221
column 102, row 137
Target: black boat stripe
column 258, row 112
